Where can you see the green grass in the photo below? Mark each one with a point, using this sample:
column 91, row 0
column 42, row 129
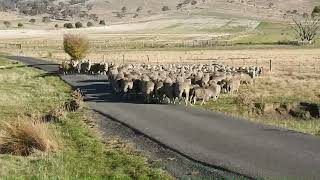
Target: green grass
column 268, row 33
column 82, row 154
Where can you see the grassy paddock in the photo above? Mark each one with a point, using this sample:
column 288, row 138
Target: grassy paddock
column 82, row 155
column 280, row 88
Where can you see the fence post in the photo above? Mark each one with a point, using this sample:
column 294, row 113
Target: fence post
column 123, row 59
column 299, row 67
column 148, row 57
column 270, row 65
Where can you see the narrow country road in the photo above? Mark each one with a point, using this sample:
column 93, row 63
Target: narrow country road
column 253, row 150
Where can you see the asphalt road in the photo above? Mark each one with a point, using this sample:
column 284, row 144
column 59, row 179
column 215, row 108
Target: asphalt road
column 225, row 142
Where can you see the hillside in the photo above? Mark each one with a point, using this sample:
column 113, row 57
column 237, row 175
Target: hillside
column 131, row 10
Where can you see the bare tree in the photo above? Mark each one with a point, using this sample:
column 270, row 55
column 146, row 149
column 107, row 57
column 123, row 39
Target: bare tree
column 306, row 28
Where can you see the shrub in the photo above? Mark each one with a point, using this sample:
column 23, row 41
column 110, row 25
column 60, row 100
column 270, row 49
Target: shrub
column 89, row 24
column 165, row 8
column 78, row 25
column 316, row 11
column 46, row 19
column 68, row 25
column 76, row 102
column 22, row 137
column 76, row 46
column 102, row 22
column 32, row 21
column 20, row 25
column 7, row 24
column 56, row 26
column 194, row 2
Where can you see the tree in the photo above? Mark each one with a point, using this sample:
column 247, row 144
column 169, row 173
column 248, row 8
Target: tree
column 56, row 26
column 20, row 25
column 194, row 2
column 89, row 24
column 102, row 22
column 315, row 11
column 165, row 8
column 78, row 25
column 7, row 24
column 124, row 9
column 306, row 28
column 68, row 25
column 32, row 21
column 46, row 19
column 139, row 9
column 75, row 46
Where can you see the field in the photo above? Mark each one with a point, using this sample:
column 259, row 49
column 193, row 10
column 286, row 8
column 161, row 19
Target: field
column 27, row 93
column 293, row 68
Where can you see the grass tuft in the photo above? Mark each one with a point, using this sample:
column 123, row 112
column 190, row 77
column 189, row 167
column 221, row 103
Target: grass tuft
column 23, row 136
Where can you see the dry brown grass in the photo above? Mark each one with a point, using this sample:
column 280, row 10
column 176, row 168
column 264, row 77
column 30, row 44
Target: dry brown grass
column 24, row 136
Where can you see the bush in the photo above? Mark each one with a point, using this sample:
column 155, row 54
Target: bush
column 89, row 24
column 68, row 25
column 20, row 25
column 102, row 22
column 32, row 21
column 76, row 46
column 78, row 25
column 46, row 19
column 76, row 102
column 7, row 24
column 22, row 137
column 165, row 8
column 56, row 26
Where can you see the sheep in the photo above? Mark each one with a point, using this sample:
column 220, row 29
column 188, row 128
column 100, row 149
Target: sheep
column 147, row 89
column 126, row 88
column 169, row 87
column 205, row 93
column 233, row 85
column 159, row 91
column 182, row 86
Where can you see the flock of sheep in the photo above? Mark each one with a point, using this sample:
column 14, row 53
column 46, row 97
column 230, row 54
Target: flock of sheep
column 169, row 83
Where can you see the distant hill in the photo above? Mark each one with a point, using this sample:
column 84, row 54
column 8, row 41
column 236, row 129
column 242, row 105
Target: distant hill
column 130, row 10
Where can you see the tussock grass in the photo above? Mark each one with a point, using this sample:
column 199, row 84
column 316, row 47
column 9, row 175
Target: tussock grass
column 23, row 136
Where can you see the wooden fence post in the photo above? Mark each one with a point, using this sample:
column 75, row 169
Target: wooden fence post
column 270, row 65
column 299, row 67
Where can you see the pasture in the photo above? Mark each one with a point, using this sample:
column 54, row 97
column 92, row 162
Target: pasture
column 28, row 94
column 291, row 74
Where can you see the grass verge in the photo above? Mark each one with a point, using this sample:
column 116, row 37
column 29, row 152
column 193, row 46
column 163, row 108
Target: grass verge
column 25, row 92
column 271, row 91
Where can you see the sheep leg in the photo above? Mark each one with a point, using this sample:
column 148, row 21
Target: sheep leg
column 202, row 102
